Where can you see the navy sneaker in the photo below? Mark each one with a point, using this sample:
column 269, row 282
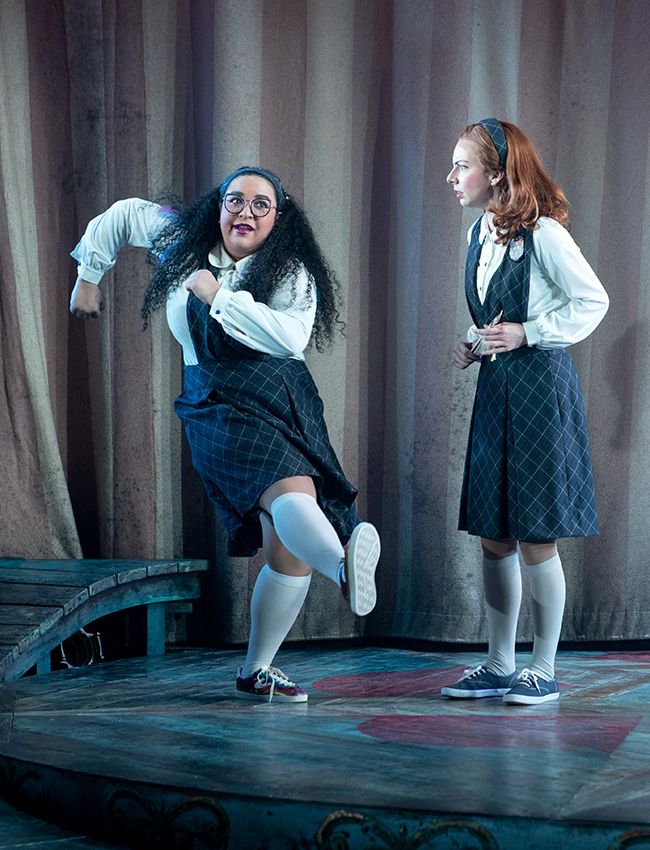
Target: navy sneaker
column 266, row 685
column 480, row 682
column 531, row 689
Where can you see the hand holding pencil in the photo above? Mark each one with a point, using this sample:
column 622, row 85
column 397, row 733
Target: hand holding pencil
column 480, row 346
column 499, row 337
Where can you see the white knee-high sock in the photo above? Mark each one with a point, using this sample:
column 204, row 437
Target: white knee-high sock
column 306, row 532
column 548, row 594
column 275, row 604
column 502, row 584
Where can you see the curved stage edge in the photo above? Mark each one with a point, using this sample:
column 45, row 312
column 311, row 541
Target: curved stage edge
column 157, row 752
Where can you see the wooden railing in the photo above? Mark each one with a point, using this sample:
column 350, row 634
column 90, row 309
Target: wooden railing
column 42, row 603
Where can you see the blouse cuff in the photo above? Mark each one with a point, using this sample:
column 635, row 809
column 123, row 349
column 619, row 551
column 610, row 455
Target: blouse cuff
column 91, row 275
column 85, row 269
column 220, row 302
column 533, row 336
column 472, row 336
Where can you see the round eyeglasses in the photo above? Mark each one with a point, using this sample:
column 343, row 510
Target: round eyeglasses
column 235, row 204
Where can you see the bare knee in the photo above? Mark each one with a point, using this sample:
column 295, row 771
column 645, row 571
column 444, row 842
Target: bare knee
column 538, row 551
column 495, row 550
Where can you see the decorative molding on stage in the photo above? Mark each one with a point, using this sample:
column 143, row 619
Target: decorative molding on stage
column 134, row 819
column 342, row 827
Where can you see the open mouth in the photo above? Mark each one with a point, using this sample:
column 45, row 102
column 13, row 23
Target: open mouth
column 243, row 228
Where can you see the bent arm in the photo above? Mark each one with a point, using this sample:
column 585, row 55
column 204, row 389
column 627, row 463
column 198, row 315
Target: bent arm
column 132, row 222
column 281, row 328
column 576, row 301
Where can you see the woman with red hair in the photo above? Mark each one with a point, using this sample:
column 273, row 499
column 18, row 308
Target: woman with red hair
column 528, row 479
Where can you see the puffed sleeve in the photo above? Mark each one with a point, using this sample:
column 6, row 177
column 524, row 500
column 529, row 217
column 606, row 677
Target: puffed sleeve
column 282, row 328
column 569, row 301
column 131, row 221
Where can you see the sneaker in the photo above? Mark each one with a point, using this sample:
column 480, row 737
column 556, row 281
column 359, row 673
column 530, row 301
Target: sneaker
column 480, row 682
column 357, row 576
column 267, row 684
column 531, row 688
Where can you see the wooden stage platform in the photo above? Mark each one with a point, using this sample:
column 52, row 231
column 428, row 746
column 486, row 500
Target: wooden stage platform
column 157, row 752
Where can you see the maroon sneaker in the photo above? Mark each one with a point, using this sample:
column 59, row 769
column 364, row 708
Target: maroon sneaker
column 268, row 684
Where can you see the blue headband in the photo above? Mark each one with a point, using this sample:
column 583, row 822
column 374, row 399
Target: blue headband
column 498, row 137
column 281, row 196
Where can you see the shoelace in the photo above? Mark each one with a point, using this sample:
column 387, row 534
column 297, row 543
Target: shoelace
column 527, row 677
column 273, row 676
column 471, row 672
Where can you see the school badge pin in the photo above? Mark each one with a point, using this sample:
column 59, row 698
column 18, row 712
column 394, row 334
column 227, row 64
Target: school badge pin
column 516, row 249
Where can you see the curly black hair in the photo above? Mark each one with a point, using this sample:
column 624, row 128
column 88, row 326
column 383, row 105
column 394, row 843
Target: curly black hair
column 183, row 244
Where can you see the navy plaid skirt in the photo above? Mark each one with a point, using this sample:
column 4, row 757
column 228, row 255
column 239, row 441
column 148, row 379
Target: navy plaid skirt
column 251, row 422
column 528, row 472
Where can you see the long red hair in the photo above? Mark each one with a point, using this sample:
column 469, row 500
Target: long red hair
column 525, row 192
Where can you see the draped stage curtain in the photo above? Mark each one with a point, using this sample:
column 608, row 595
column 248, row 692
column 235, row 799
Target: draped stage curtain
column 357, row 105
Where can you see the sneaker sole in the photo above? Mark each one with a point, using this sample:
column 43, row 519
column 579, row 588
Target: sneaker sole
column 265, row 697
column 463, row 694
column 522, row 699
column 363, row 554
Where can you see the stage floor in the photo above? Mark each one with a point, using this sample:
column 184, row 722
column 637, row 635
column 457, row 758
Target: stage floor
column 153, row 748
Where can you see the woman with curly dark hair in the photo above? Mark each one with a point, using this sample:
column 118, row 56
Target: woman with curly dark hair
column 528, row 479
column 245, row 288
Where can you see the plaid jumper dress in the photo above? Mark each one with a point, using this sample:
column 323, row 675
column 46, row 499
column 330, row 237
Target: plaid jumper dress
column 528, row 469
column 252, row 419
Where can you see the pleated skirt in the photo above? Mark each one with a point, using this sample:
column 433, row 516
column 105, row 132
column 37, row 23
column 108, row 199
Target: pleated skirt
column 528, row 473
column 250, row 423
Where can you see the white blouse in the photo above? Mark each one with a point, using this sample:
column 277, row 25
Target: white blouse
column 566, row 300
column 281, row 328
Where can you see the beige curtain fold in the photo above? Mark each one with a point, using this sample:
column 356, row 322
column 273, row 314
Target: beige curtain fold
column 357, row 105
column 55, row 520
